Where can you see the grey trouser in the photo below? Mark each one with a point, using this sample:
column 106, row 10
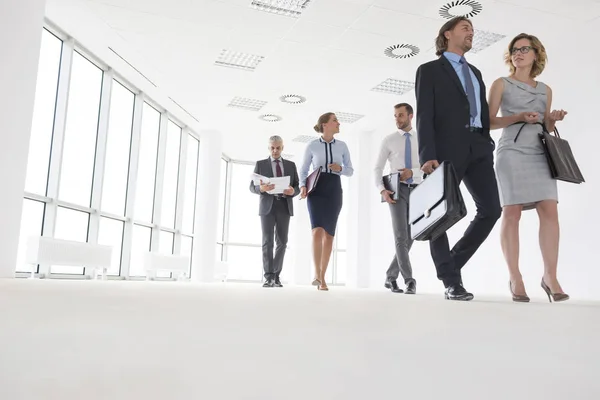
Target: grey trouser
column 401, row 262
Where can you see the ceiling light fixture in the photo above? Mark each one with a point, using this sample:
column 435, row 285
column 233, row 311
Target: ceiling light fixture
column 292, row 99
column 460, row 8
column 270, row 118
column 483, row 40
column 247, row 104
column 394, row 86
column 402, row 51
column 234, row 59
column 348, row 118
column 288, row 8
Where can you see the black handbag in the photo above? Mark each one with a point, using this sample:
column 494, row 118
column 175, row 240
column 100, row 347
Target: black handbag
column 391, row 182
column 559, row 155
column 436, row 204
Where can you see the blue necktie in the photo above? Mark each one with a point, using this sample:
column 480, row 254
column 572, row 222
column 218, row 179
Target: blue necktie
column 408, row 155
column 470, row 88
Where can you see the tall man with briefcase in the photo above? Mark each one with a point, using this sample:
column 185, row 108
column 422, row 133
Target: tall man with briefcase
column 453, row 124
column 401, row 150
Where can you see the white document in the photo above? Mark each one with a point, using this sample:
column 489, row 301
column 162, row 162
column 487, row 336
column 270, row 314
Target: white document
column 280, row 184
column 256, row 178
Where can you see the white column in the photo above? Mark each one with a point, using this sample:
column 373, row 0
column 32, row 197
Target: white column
column 207, row 206
column 303, row 260
column 360, row 188
column 22, row 23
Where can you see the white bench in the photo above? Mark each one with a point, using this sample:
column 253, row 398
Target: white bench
column 51, row 251
column 154, row 262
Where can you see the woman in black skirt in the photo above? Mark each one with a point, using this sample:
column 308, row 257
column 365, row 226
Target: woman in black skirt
column 325, row 201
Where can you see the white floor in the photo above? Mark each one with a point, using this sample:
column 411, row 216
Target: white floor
column 165, row 340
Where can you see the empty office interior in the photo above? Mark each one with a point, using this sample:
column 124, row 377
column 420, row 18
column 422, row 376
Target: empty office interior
column 132, row 128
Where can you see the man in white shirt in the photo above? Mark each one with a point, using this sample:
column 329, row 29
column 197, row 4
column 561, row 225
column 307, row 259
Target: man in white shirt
column 401, row 150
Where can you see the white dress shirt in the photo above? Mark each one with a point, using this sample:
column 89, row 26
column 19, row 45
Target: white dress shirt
column 392, row 150
column 274, row 166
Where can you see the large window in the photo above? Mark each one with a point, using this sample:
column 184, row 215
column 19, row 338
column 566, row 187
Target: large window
column 103, row 162
column 244, row 224
column 79, row 149
column 116, row 167
column 43, row 114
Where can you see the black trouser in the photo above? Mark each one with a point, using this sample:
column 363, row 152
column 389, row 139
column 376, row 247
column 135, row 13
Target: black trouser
column 477, row 172
column 275, row 225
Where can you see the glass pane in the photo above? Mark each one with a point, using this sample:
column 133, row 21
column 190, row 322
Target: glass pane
column 169, row 198
column 191, row 174
column 245, row 263
column 43, row 114
column 80, row 132
column 70, row 225
column 341, row 268
column 165, row 246
column 140, row 245
column 342, row 226
column 222, row 188
column 111, row 234
column 186, row 249
column 146, row 176
column 116, row 167
column 244, row 222
column 32, row 219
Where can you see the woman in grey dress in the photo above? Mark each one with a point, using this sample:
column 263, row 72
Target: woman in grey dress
column 524, row 179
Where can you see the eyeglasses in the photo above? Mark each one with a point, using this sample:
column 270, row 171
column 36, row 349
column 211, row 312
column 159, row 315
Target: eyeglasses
column 523, row 50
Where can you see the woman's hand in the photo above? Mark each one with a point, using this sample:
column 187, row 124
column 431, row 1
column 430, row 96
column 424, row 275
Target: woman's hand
column 335, row 167
column 557, row 115
column 530, row 117
column 303, row 192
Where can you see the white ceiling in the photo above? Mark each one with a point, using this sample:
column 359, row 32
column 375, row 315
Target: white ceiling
column 332, row 55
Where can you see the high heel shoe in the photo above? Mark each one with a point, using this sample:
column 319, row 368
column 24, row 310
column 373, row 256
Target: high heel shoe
column 322, row 286
column 519, row 298
column 316, row 282
column 554, row 296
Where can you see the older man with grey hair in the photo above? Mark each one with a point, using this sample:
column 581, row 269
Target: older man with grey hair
column 275, row 210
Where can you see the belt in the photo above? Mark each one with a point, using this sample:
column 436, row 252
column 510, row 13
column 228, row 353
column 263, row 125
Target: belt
column 409, row 185
column 279, row 197
column 475, row 129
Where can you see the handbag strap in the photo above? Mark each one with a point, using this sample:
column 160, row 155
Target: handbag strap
column 544, row 130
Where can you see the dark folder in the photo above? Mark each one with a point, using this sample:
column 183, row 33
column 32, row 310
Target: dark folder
column 312, row 180
column 391, row 182
column 436, row 204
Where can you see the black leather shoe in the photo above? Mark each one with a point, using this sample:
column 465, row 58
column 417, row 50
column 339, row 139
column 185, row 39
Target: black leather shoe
column 393, row 286
column 457, row 292
column 411, row 287
column 269, row 282
column 277, row 283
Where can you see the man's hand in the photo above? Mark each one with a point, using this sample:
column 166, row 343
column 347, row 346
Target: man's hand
column 335, row 167
column 429, row 166
column 405, row 174
column 289, row 191
column 387, row 196
column 265, row 187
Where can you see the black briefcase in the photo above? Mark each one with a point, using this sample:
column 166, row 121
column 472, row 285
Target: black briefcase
column 391, row 182
column 436, row 204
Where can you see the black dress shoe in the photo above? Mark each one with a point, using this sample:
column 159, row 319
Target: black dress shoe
column 411, row 287
column 393, row 286
column 269, row 282
column 277, row 283
column 457, row 292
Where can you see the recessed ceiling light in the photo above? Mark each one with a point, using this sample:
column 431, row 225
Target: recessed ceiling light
column 292, row 99
column 234, row 59
column 483, row 39
column 304, row 138
column 288, row 8
column 247, row 104
column 460, row 8
column 402, row 51
column 394, row 86
column 270, row 118
column 348, row 118
column 287, row 155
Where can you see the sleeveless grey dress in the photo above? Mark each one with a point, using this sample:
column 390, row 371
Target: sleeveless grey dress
column 521, row 168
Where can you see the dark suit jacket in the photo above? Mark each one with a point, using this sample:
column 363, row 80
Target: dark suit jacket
column 443, row 118
column 264, row 168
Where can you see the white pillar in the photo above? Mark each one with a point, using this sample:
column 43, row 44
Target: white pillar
column 22, row 23
column 360, row 188
column 207, row 206
column 303, row 260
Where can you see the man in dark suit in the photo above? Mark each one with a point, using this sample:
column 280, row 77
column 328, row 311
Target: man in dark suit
column 453, row 124
column 275, row 210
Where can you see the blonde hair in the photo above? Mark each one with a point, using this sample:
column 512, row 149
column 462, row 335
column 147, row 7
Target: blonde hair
column 541, row 58
column 323, row 119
